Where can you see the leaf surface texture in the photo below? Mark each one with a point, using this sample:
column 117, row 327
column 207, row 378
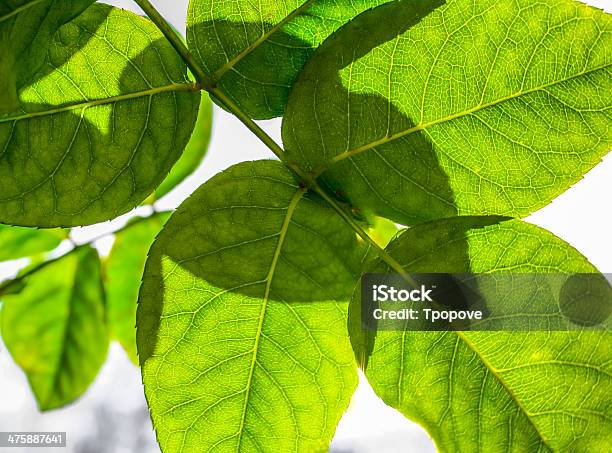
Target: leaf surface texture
column 101, row 129
column 242, row 317
column 465, row 108
column 255, row 50
column 194, row 152
column 510, row 391
column 26, row 27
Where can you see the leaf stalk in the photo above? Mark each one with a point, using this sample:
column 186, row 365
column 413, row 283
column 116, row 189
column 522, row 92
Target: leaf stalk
column 8, row 284
column 209, row 85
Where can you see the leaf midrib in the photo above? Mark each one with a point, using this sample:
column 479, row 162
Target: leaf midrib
column 102, row 101
column 62, row 358
column 382, row 141
column 279, row 245
column 499, row 379
column 19, row 10
column 262, row 39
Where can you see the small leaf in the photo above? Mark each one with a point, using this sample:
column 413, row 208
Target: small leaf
column 469, row 108
column 195, row 151
column 382, row 231
column 256, row 49
column 26, row 28
column 101, row 129
column 242, row 317
column 510, row 391
column 123, row 274
column 55, row 328
column 18, row 242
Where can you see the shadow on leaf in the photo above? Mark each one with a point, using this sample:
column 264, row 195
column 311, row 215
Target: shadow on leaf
column 231, row 256
column 113, row 122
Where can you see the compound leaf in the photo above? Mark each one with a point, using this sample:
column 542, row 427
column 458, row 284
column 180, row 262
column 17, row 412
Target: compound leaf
column 55, row 328
column 96, row 134
column 241, row 322
column 469, row 108
column 19, row 242
column 26, row 27
column 255, row 50
column 123, row 274
column 510, row 391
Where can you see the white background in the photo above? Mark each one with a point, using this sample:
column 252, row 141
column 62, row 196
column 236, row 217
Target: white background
column 112, row 416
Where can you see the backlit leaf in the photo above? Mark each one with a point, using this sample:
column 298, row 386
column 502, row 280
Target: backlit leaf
column 18, row 242
column 55, row 328
column 468, row 108
column 242, row 317
column 508, row 391
column 26, row 27
column 103, row 127
column 123, row 274
column 382, row 231
column 256, row 49
column 194, row 152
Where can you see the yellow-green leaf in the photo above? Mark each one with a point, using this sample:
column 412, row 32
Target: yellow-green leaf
column 465, row 108
column 95, row 136
column 122, row 275
column 55, row 328
column 26, row 29
column 255, row 50
column 242, row 317
column 499, row 391
column 19, row 242
column 194, row 152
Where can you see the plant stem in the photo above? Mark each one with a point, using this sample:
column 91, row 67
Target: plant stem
column 382, row 253
column 9, row 283
column 176, row 42
column 205, row 81
column 211, row 87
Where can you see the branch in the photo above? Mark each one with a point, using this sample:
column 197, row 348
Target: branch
column 6, row 285
column 382, row 253
column 211, row 87
column 178, row 44
column 251, row 125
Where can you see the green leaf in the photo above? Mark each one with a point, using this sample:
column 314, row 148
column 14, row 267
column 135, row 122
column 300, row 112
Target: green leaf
column 382, row 231
column 11, row 288
column 468, row 108
column 255, row 50
column 26, row 27
column 510, row 391
column 18, row 242
column 241, row 323
column 55, row 328
column 102, row 129
column 194, row 152
column 123, row 274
